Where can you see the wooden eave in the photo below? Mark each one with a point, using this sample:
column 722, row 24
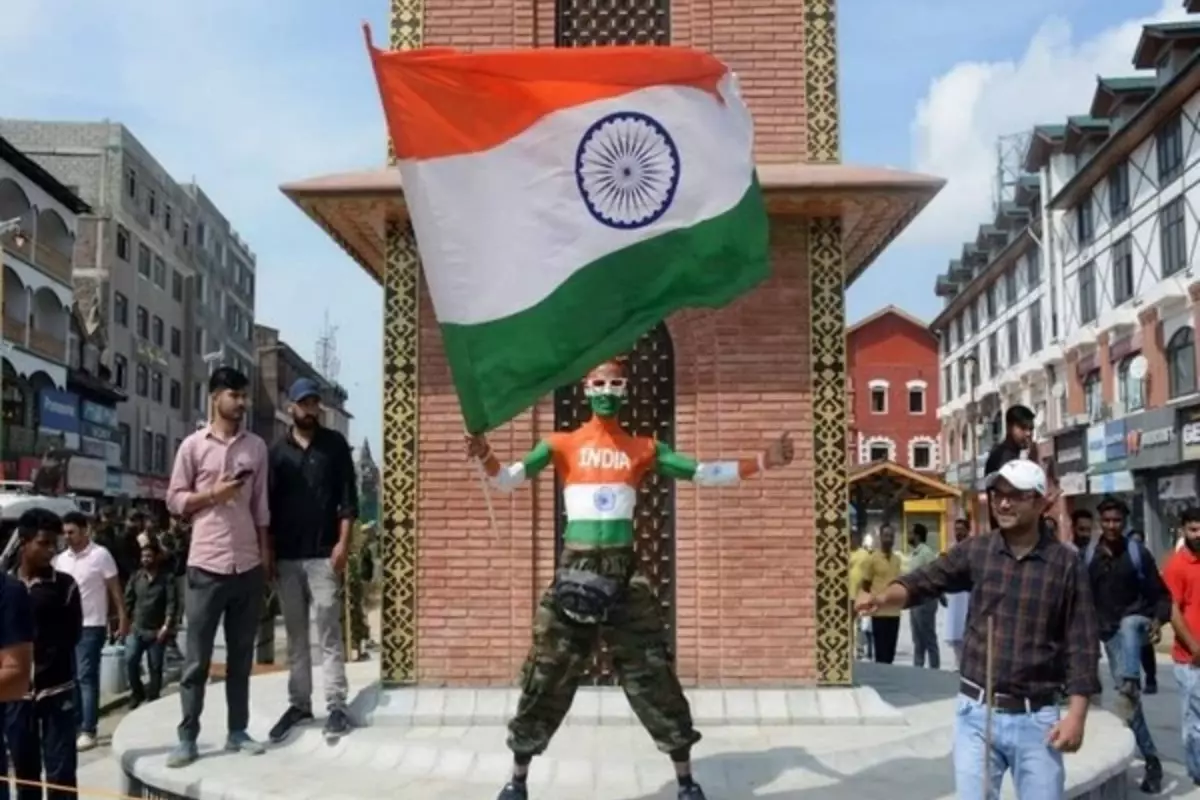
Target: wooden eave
column 1165, row 102
column 1019, row 245
column 875, row 205
column 879, row 474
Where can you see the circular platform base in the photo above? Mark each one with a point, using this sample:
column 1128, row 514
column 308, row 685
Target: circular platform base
column 906, row 756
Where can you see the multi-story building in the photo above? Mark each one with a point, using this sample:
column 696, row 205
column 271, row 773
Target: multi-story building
column 162, row 269
column 1110, row 301
column 39, row 219
column 279, row 366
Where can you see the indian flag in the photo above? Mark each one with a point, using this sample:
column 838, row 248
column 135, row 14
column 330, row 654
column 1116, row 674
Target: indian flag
column 565, row 201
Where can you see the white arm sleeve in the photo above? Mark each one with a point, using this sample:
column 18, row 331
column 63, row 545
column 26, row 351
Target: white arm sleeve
column 508, row 478
column 716, row 473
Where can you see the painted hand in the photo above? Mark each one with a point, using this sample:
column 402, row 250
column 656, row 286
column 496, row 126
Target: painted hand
column 780, row 452
column 478, row 447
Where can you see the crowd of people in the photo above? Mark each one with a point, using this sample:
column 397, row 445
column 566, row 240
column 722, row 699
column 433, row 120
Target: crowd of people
column 246, row 516
column 1035, row 612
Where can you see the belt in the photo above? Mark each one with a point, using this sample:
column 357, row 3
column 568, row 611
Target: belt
column 1007, row 703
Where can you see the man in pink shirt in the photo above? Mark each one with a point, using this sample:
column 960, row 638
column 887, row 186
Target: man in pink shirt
column 220, row 482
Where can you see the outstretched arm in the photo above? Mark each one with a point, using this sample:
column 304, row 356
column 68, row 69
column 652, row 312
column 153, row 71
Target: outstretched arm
column 507, row 478
column 704, row 473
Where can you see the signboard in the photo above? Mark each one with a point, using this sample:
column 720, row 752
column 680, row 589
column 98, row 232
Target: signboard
column 1072, row 484
column 1189, row 434
column 98, row 415
column 1070, row 452
column 87, row 474
column 1095, row 445
column 1151, row 439
column 58, row 411
column 1111, row 482
column 1114, row 440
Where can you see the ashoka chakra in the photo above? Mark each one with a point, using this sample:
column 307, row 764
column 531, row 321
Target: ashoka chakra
column 627, row 169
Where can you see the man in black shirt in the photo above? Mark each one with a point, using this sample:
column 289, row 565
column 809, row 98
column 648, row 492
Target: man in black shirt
column 314, row 500
column 150, row 606
column 41, row 728
column 1018, row 443
column 1131, row 605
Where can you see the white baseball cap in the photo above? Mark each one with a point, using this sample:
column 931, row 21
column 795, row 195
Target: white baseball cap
column 1022, row 474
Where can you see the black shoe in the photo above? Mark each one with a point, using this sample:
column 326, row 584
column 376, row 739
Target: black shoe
column 337, row 725
column 134, row 703
column 691, row 792
column 1151, row 687
column 513, row 791
column 290, row 719
column 1152, row 780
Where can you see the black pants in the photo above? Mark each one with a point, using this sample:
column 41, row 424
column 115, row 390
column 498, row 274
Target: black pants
column 41, row 734
column 887, row 631
column 236, row 600
column 144, row 643
column 1150, row 664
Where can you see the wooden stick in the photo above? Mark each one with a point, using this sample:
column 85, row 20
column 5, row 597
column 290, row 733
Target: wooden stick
column 988, row 698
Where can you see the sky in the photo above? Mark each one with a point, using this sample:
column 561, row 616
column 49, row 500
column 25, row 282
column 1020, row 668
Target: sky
column 243, row 96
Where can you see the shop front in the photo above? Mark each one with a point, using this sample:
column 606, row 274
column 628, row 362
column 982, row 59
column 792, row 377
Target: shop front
column 58, row 416
column 1165, row 482
column 1108, row 469
column 1071, row 463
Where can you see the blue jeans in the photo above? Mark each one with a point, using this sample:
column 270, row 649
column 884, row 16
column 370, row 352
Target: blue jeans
column 1188, row 678
column 1124, row 653
column 1018, row 745
column 41, row 734
column 87, row 676
column 137, row 645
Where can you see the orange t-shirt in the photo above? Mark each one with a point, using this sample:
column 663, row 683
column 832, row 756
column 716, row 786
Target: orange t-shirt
column 1182, row 577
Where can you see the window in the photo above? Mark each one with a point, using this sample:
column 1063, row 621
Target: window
column 1118, row 192
column 1033, row 269
column 187, row 233
column 147, row 453
column 142, row 380
column 990, row 296
column 1169, row 146
column 1122, row 269
column 156, row 331
column 120, row 371
column 962, row 377
column 143, row 261
column 1010, row 286
column 152, row 202
column 160, row 273
column 1013, row 334
column 156, row 387
column 198, row 285
column 201, row 234
column 124, row 434
column 879, row 452
column 176, row 393
column 197, row 398
column 993, row 354
column 131, row 183
column 1093, row 396
column 176, row 286
column 167, row 220
column 121, row 309
column 1181, row 363
column 176, row 341
column 947, row 385
column 1087, row 292
column 122, row 243
column 143, row 322
column 1130, row 391
column 973, row 311
column 959, row 333
column 198, row 342
column 1173, row 230
column 1085, row 226
column 916, row 399
column 160, row 454
column 878, row 398
column 922, row 456
column 1035, row 326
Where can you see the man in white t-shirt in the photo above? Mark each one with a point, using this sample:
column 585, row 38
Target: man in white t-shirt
column 95, row 572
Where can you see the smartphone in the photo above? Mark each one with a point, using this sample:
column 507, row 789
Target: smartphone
column 243, row 474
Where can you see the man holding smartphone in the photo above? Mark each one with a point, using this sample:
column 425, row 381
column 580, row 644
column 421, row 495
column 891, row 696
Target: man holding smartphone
column 220, row 482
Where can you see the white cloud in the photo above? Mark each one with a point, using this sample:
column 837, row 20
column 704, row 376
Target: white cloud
column 966, row 110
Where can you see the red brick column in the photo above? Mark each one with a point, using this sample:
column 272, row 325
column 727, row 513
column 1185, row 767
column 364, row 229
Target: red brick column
column 1074, row 384
column 1106, row 369
column 1156, row 357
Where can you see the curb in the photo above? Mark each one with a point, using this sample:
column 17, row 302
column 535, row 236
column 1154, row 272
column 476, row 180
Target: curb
column 115, row 703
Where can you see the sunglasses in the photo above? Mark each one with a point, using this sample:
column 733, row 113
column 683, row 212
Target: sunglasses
column 614, row 386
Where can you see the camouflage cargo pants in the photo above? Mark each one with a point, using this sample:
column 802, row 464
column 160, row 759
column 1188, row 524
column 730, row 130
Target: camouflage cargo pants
column 637, row 642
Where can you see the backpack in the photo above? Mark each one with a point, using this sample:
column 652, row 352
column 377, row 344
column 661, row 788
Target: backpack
column 1134, row 548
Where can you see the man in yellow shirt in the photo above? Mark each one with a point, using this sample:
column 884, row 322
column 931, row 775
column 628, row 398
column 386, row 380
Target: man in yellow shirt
column 858, row 557
column 878, row 571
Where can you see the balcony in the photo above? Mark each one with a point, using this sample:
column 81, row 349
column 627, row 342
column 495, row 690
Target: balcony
column 24, row 249
column 14, row 331
column 47, row 346
column 52, row 262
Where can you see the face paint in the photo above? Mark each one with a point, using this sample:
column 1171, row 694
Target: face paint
column 605, row 395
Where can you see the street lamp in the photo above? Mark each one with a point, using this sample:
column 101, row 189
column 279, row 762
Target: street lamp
column 975, row 426
column 6, row 227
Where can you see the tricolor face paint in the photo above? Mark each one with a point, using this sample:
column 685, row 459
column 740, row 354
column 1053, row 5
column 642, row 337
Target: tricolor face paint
column 605, row 388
